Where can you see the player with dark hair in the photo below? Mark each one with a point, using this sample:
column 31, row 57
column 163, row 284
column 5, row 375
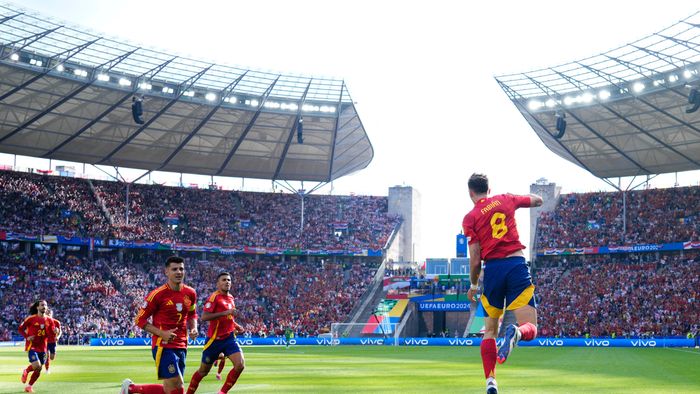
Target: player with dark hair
column 174, row 316
column 493, row 238
column 34, row 329
column 221, row 337
column 52, row 336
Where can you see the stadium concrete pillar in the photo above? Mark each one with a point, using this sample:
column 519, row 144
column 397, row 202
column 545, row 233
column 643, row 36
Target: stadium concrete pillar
column 59, row 249
column 28, row 248
column 120, row 255
column 204, row 256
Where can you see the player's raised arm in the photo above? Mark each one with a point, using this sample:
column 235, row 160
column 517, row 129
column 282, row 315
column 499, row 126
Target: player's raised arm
column 535, row 201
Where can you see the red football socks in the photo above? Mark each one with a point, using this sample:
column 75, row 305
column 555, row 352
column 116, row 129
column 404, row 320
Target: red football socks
column 34, row 377
column 30, row 368
column 194, row 383
column 488, row 357
column 528, row 332
column 46, row 365
column 221, row 365
column 147, row 389
column 230, row 380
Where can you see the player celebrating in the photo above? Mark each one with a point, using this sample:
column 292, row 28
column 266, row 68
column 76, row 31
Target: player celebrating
column 34, row 329
column 52, row 336
column 493, row 237
column 173, row 308
column 221, row 337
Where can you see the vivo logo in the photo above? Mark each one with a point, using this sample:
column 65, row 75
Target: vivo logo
column 370, row 341
column 593, row 342
column 643, row 343
column 550, row 342
column 414, row 341
column 112, row 342
column 460, row 342
column 326, row 341
column 283, row 342
column 244, row 341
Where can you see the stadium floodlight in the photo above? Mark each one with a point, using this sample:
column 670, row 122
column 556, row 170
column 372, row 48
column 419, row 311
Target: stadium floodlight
column 60, row 68
column 80, row 73
column 14, row 57
column 189, row 93
column 568, row 100
column 604, row 94
column 103, row 77
column 673, row 78
column 124, row 82
column 32, row 62
column 551, row 103
column 210, row 96
column 687, row 74
column 254, row 103
column 168, row 90
column 587, row 97
column 638, row 87
column 232, row 99
column 145, row 86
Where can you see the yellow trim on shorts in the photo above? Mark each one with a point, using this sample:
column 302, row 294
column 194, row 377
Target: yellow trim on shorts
column 159, row 353
column 522, row 299
column 213, row 337
column 492, row 311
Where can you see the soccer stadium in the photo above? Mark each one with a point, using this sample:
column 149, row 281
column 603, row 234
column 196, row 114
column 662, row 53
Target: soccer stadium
column 323, row 292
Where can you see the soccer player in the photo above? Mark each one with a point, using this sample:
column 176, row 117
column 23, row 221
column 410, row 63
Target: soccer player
column 173, row 309
column 52, row 336
column 287, row 337
column 221, row 337
column 493, row 238
column 221, row 363
column 34, row 329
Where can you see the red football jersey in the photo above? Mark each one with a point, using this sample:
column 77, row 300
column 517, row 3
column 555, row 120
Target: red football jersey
column 223, row 326
column 35, row 326
column 491, row 223
column 55, row 327
column 170, row 309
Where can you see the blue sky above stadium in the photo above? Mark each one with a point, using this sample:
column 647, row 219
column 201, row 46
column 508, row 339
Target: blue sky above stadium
column 420, row 72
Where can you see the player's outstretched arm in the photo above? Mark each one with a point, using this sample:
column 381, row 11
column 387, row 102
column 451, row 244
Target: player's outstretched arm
column 535, row 201
column 206, row 316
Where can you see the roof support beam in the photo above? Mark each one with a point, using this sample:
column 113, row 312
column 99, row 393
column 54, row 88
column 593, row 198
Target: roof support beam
column 637, row 127
column 64, row 99
column 266, row 95
column 25, row 42
column 602, row 74
column 335, row 131
column 227, row 90
column 547, row 90
column 71, row 52
column 152, row 72
column 295, row 125
column 184, row 86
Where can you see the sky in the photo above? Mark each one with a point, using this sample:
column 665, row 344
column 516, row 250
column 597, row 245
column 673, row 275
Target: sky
column 421, row 73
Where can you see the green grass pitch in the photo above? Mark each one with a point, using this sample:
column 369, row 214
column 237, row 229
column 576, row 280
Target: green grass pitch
column 353, row 369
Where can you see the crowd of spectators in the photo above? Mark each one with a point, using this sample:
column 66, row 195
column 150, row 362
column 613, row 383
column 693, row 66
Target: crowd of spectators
column 101, row 298
column 596, row 219
column 38, row 205
column 618, row 295
column 34, row 204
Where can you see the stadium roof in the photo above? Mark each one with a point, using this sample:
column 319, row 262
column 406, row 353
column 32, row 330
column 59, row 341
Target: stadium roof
column 66, row 94
column 625, row 109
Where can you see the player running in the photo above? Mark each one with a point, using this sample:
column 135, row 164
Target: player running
column 221, row 337
column 52, row 336
column 173, row 308
column 34, row 329
column 493, row 238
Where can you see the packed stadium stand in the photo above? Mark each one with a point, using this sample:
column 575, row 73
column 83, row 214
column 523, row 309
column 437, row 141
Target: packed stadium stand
column 626, row 295
column 595, row 219
column 40, row 204
column 101, row 297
